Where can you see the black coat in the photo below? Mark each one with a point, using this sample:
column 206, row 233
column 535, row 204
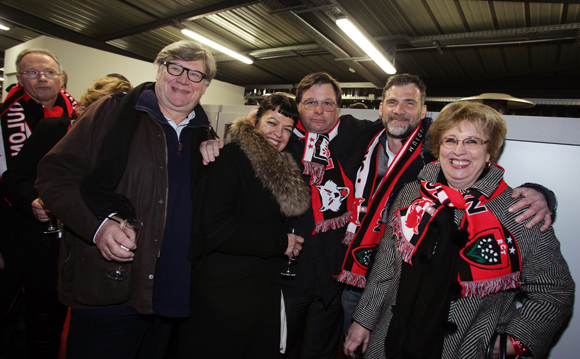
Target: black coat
column 40, row 260
column 236, row 290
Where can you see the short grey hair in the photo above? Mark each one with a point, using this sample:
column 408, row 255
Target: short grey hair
column 186, row 50
column 37, row 51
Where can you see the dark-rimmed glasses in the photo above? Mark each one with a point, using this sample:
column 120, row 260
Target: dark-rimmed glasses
column 33, row 74
column 313, row 105
column 176, row 70
column 470, row 142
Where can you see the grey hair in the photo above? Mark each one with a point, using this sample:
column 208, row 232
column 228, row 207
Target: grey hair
column 37, row 51
column 186, row 50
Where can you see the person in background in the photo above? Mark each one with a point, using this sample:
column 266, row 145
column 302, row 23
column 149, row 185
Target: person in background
column 118, row 76
column 36, row 96
column 359, row 105
column 131, row 158
column 44, row 314
column 105, row 86
column 453, row 262
column 64, row 80
column 250, row 192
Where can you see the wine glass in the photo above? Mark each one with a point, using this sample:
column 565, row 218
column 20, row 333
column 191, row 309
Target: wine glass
column 288, row 272
column 52, row 228
column 129, row 225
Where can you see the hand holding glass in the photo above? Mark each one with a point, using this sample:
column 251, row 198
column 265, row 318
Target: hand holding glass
column 131, row 227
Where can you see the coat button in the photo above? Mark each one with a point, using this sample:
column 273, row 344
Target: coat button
column 150, row 276
column 160, row 201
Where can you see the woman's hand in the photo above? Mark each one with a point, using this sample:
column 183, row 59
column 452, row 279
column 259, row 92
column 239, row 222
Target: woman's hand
column 294, row 245
column 357, row 335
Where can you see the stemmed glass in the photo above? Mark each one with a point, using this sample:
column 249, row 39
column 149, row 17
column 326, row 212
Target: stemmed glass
column 52, row 228
column 128, row 225
column 288, row 272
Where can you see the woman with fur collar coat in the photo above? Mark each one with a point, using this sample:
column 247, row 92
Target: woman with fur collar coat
column 236, row 285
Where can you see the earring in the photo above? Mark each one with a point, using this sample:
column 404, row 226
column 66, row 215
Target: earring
column 487, row 164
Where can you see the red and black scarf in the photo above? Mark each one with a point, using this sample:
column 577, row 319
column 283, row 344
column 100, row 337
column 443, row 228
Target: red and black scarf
column 19, row 115
column 490, row 260
column 365, row 228
column 332, row 191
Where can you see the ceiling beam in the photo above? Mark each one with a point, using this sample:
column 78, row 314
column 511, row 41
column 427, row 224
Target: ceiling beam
column 205, row 11
column 44, row 27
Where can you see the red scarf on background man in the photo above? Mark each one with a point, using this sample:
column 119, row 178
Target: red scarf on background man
column 365, row 229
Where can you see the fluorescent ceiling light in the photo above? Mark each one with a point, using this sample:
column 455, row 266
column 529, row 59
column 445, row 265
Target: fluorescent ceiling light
column 366, row 45
column 5, row 28
column 1, row 78
column 216, row 46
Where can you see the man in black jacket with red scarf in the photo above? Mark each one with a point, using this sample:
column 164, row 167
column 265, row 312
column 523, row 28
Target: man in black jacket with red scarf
column 26, row 248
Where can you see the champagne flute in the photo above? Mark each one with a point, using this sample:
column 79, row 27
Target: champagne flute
column 288, row 272
column 119, row 273
column 51, row 227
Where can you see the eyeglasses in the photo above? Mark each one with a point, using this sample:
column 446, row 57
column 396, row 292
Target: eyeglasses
column 470, row 142
column 36, row 74
column 313, row 105
column 176, row 70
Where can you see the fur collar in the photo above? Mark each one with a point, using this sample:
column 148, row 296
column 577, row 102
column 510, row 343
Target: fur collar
column 278, row 171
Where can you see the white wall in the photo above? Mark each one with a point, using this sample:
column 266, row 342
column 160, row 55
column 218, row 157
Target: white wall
column 84, row 65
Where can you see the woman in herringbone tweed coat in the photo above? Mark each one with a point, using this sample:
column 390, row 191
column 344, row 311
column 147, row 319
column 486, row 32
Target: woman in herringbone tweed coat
column 454, row 263
column 236, row 284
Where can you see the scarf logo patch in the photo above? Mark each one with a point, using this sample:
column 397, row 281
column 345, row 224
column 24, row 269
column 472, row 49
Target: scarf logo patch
column 362, row 256
column 332, row 196
column 415, row 214
column 490, row 249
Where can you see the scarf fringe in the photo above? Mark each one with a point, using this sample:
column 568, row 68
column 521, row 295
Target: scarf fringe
column 494, row 285
column 348, row 237
column 406, row 249
column 356, row 280
column 332, row 223
column 315, row 171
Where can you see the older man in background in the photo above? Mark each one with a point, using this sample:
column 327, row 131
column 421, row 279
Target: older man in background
column 131, row 157
column 36, row 96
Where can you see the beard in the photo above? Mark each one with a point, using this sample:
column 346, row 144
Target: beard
column 401, row 132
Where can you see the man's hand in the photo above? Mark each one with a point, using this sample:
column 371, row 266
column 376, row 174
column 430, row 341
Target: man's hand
column 357, row 335
column 114, row 244
column 210, row 150
column 38, row 210
column 294, row 245
column 538, row 208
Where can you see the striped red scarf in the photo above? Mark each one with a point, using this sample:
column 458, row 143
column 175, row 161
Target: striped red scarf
column 490, row 261
column 332, row 191
column 19, row 115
